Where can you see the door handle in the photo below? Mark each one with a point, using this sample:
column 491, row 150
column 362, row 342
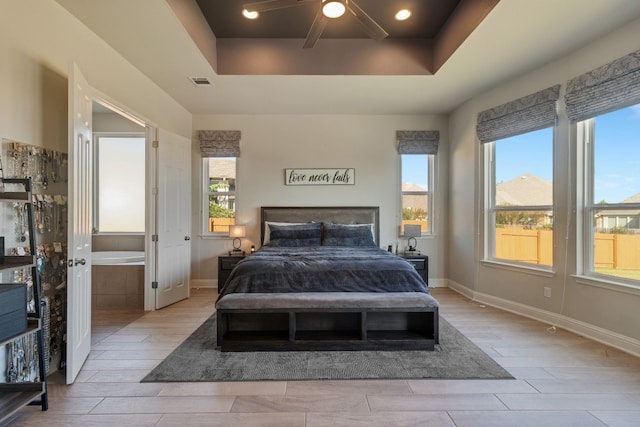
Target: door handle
column 187, row 237
column 81, row 261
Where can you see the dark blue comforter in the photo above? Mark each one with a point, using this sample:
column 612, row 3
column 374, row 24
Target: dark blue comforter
column 323, row 269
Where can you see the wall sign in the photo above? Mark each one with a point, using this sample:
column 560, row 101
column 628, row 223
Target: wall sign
column 338, row 176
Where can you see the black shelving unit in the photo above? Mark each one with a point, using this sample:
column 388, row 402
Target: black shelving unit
column 14, row 396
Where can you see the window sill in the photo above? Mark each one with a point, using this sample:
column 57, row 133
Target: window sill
column 520, row 268
column 607, row 284
column 119, row 233
column 429, row 236
column 215, row 236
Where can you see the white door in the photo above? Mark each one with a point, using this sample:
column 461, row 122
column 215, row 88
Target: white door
column 79, row 225
column 173, row 218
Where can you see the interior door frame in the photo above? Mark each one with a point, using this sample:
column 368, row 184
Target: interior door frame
column 150, row 208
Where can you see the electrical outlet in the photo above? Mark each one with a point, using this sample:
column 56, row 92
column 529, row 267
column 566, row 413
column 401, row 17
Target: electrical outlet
column 547, row 292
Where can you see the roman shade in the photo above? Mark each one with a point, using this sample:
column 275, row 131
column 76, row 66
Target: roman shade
column 219, row 143
column 605, row 89
column 417, row 141
column 527, row 114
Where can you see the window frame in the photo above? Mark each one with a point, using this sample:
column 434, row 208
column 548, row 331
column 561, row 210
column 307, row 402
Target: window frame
column 95, row 181
column 430, row 193
column 586, row 274
column 205, row 194
column 490, row 209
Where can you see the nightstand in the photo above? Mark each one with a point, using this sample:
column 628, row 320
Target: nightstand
column 225, row 265
column 420, row 262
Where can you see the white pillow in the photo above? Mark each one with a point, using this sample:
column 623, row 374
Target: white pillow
column 267, row 230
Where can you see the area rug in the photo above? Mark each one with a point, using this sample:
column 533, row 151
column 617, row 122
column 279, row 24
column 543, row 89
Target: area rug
column 197, row 360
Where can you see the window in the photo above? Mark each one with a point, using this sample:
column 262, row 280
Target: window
column 519, row 223
column 518, row 170
column 612, row 194
column 417, row 190
column 119, row 196
column 219, row 194
column 418, row 150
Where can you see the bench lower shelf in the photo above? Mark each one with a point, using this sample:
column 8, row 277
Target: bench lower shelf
column 14, row 396
column 309, row 331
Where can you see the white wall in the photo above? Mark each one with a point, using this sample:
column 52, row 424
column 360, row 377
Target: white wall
column 38, row 41
column 609, row 315
column 271, row 143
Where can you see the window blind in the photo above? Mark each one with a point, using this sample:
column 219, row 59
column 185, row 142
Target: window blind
column 610, row 87
column 527, row 114
column 219, row 143
column 417, row 141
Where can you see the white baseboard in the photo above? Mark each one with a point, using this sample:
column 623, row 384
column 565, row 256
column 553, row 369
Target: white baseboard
column 438, row 283
column 596, row 333
column 203, row 283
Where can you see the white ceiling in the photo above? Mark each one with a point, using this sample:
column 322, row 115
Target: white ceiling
column 518, row 35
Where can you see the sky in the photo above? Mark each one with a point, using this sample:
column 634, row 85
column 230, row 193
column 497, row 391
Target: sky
column 414, row 169
column 617, row 153
column 617, row 145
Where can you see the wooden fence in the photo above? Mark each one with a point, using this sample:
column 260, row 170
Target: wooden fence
column 621, row 251
column 220, row 225
column 617, row 251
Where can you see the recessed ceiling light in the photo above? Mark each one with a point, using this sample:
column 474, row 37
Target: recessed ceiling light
column 250, row 14
column 403, row 14
column 333, row 8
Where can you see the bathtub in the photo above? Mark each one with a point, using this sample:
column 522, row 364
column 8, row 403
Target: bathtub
column 118, row 258
column 117, row 280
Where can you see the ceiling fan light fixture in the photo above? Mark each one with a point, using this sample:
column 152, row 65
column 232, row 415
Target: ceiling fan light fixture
column 333, row 8
column 250, row 14
column 403, row 14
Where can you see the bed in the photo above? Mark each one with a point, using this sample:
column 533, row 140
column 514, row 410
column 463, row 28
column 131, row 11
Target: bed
column 321, row 282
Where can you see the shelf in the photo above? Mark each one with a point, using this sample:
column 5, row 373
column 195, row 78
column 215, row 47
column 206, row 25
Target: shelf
column 13, row 262
column 16, row 196
column 14, row 396
column 33, row 325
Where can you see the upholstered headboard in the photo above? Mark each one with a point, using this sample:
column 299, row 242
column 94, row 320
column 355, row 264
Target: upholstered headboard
column 334, row 214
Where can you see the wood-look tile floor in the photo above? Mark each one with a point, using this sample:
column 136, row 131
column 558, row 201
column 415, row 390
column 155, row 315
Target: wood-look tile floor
column 562, row 379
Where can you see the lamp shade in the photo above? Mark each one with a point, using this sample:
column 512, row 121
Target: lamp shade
column 412, row 230
column 236, row 231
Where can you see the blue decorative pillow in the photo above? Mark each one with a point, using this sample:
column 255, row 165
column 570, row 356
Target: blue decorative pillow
column 296, row 235
column 348, row 235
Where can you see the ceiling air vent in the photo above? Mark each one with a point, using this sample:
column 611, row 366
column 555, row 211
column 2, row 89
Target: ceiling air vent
column 200, row 81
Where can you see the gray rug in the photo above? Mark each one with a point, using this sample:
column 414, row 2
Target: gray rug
column 197, row 360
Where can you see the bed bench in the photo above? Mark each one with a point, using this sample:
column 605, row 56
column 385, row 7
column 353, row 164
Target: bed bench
column 327, row 321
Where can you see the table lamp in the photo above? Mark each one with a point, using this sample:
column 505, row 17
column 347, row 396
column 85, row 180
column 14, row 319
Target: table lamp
column 237, row 232
column 411, row 232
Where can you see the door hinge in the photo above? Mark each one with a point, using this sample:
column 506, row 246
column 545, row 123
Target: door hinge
column 155, row 144
column 154, row 237
column 154, row 285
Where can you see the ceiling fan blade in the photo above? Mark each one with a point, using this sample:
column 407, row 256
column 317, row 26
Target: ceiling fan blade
column 263, row 6
column 372, row 28
column 316, row 30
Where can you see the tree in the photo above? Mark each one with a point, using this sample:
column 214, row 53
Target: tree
column 417, row 214
column 217, row 211
column 527, row 219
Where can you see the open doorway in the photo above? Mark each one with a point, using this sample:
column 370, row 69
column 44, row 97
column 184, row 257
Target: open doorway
column 118, row 238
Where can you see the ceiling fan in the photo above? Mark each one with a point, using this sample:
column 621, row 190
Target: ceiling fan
column 329, row 9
